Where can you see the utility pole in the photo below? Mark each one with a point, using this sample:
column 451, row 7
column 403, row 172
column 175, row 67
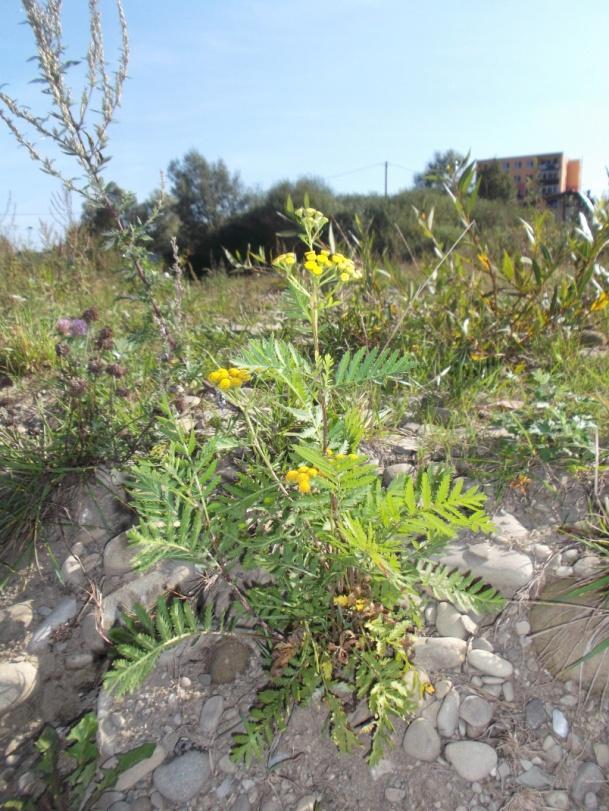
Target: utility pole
column 386, row 168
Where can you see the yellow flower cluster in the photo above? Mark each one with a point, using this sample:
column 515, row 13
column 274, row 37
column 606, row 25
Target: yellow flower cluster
column 302, row 477
column 317, row 263
column 311, row 214
column 285, row 261
column 352, row 602
column 484, row 261
column 600, row 302
column 340, row 456
column 229, row 378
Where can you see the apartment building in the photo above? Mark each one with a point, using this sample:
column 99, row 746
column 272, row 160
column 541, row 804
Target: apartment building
column 550, row 173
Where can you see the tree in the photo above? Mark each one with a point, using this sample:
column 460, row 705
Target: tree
column 443, row 168
column 99, row 217
column 206, row 196
column 494, row 183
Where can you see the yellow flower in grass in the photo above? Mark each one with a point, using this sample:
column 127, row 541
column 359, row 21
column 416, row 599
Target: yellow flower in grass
column 600, row 302
column 302, row 476
column 285, row 261
column 484, row 261
column 231, row 378
column 341, row 600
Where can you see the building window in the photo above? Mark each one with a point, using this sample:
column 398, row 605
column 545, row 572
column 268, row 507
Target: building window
column 517, row 178
column 506, row 164
column 518, row 164
column 530, row 164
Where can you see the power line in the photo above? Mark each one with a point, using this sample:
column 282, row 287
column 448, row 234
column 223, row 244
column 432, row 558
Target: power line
column 354, row 171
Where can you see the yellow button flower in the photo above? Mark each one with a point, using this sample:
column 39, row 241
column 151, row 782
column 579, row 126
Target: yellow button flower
column 226, row 379
column 285, row 261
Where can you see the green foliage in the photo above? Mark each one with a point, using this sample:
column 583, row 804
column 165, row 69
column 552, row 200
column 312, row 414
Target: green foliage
column 142, row 638
column 494, row 183
column 347, row 564
column 555, row 428
column 70, row 769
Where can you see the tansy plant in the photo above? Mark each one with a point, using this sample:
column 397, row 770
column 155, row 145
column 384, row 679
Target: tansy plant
column 331, row 570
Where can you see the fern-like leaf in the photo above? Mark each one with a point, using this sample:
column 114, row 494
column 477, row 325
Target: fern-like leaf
column 465, row 591
column 370, row 366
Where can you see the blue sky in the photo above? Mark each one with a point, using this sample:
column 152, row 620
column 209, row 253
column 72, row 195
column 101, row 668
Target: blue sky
column 279, row 88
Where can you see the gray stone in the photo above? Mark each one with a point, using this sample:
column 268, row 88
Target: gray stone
column 421, row 740
column 72, row 573
column 145, row 589
column 17, row 682
column 535, row 713
column 77, row 661
column 437, row 654
column 472, row 760
column 476, row 711
column 508, row 691
column 241, row 804
column 449, row 621
column 183, row 777
column 94, row 510
column 564, row 631
column 119, row 555
column 394, row 795
column 560, row 725
column 228, row 658
column 448, row 716
column 523, row 628
column 443, row 687
column 64, row 611
column 395, row 471
column 534, row 778
column 129, row 778
column 587, row 566
column 15, row 621
column 307, row 803
column 601, row 752
column 141, row 804
column 505, row 570
column 509, row 528
column 211, row 712
column 589, row 778
column 490, row 663
column 591, row 801
column 405, row 446
column 592, row 337
column 558, row 799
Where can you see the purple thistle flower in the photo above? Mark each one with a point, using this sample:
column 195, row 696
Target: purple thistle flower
column 63, row 326
column 78, row 327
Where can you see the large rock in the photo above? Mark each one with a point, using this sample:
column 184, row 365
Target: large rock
column 490, row 663
column 145, row 589
column 421, row 740
column 63, row 612
column 130, row 777
column 564, row 631
column 94, row 510
column 17, row 682
column 476, row 711
column 439, row 653
column 504, row 569
column 15, row 621
column 183, row 777
column 588, row 780
column 448, row 717
column 119, row 555
column 228, row 658
column 471, row 760
column 449, row 622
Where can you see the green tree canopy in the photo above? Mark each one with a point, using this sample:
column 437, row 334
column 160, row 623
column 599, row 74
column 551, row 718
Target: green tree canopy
column 442, row 168
column 495, row 184
column 206, row 195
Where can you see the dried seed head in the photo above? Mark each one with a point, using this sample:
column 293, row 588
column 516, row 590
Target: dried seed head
column 116, row 370
column 90, row 314
column 77, row 387
column 95, row 367
column 62, row 350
